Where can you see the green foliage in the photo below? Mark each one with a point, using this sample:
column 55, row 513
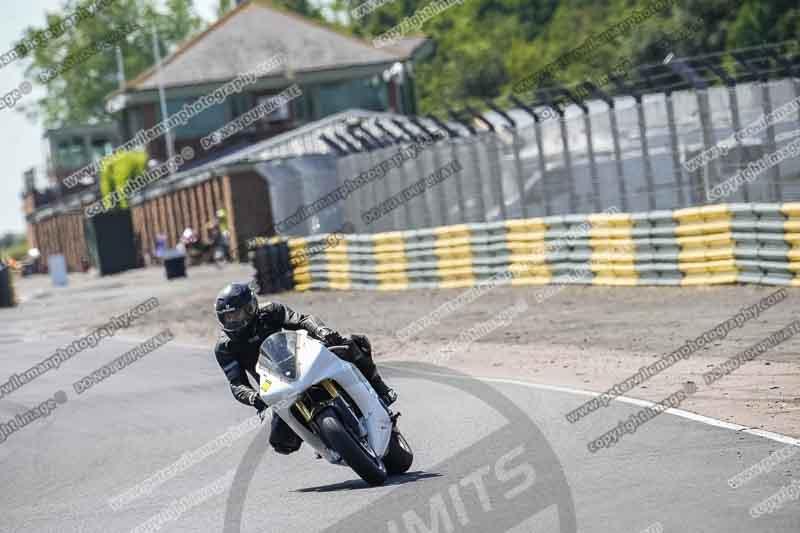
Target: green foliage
column 757, row 22
column 484, row 46
column 9, row 239
column 14, row 245
column 303, row 7
column 223, row 6
column 78, row 95
column 117, row 171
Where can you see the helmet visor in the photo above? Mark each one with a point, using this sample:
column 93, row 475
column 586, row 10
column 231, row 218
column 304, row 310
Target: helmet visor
column 237, row 319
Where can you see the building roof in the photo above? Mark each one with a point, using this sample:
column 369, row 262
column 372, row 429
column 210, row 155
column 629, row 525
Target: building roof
column 301, row 141
column 255, row 31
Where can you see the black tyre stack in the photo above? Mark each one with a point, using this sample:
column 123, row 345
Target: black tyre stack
column 274, row 272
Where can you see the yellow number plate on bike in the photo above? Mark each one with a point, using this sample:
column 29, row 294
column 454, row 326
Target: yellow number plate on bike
column 265, row 386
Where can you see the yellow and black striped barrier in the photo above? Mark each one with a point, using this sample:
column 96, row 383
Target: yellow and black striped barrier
column 718, row 244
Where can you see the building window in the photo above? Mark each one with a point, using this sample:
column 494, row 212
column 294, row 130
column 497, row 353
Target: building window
column 240, row 104
column 369, row 94
column 135, row 121
column 100, row 149
column 70, row 153
column 201, row 124
column 279, row 114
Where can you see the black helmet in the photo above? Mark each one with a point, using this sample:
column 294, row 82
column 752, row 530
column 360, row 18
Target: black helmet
column 236, row 307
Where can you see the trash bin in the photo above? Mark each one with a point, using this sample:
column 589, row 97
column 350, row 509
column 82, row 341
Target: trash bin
column 111, row 242
column 6, row 287
column 175, row 264
column 57, row 266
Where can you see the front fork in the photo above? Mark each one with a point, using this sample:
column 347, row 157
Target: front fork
column 308, row 406
column 308, row 413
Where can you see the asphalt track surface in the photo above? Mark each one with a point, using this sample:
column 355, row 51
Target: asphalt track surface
column 59, row 472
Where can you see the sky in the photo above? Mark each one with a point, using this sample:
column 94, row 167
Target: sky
column 21, row 139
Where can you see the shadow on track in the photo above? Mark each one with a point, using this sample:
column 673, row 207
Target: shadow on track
column 357, row 484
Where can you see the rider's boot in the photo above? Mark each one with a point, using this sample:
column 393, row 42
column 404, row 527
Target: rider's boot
column 362, row 358
column 387, row 395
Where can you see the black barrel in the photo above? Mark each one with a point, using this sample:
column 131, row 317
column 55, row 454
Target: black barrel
column 175, row 266
column 6, row 287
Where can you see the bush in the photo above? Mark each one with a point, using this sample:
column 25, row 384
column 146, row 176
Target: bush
column 117, row 171
column 15, row 247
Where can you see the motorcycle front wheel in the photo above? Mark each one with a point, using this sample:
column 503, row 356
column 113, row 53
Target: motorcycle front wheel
column 399, row 457
column 356, row 454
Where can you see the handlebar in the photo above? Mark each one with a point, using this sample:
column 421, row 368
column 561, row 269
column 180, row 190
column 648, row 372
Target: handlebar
column 341, row 347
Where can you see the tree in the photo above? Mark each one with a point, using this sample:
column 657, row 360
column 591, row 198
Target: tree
column 9, row 239
column 303, row 7
column 14, row 245
column 223, row 7
column 483, row 47
column 77, row 95
column 757, row 22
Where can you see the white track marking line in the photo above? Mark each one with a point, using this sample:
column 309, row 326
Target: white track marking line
column 784, row 439
column 777, row 437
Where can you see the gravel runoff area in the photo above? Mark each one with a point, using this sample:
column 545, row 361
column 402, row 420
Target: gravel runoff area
column 574, row 336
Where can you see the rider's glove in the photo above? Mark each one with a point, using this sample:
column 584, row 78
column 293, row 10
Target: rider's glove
column 256, row 401
column 330, row 337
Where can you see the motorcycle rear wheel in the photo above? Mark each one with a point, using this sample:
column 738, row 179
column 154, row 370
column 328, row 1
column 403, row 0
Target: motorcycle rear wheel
column 370, row 469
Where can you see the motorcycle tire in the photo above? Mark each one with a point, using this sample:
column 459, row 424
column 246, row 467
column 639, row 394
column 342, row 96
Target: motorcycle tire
column 334, row 434
column 399, row 457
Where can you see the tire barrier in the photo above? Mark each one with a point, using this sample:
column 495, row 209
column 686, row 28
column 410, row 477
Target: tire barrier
column 718, row 244
column 273, row 269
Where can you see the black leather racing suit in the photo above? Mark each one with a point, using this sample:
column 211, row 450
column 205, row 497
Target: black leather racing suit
column 238, row 355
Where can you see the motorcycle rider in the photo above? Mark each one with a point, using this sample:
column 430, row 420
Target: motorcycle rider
column 217, row 231
column 245, row 325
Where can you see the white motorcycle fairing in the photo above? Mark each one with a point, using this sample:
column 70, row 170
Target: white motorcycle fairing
column 314, row 364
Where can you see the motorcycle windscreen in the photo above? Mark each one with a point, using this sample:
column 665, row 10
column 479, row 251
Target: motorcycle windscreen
column 279, row 354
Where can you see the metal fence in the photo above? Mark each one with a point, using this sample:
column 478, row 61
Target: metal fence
column 630, row 155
